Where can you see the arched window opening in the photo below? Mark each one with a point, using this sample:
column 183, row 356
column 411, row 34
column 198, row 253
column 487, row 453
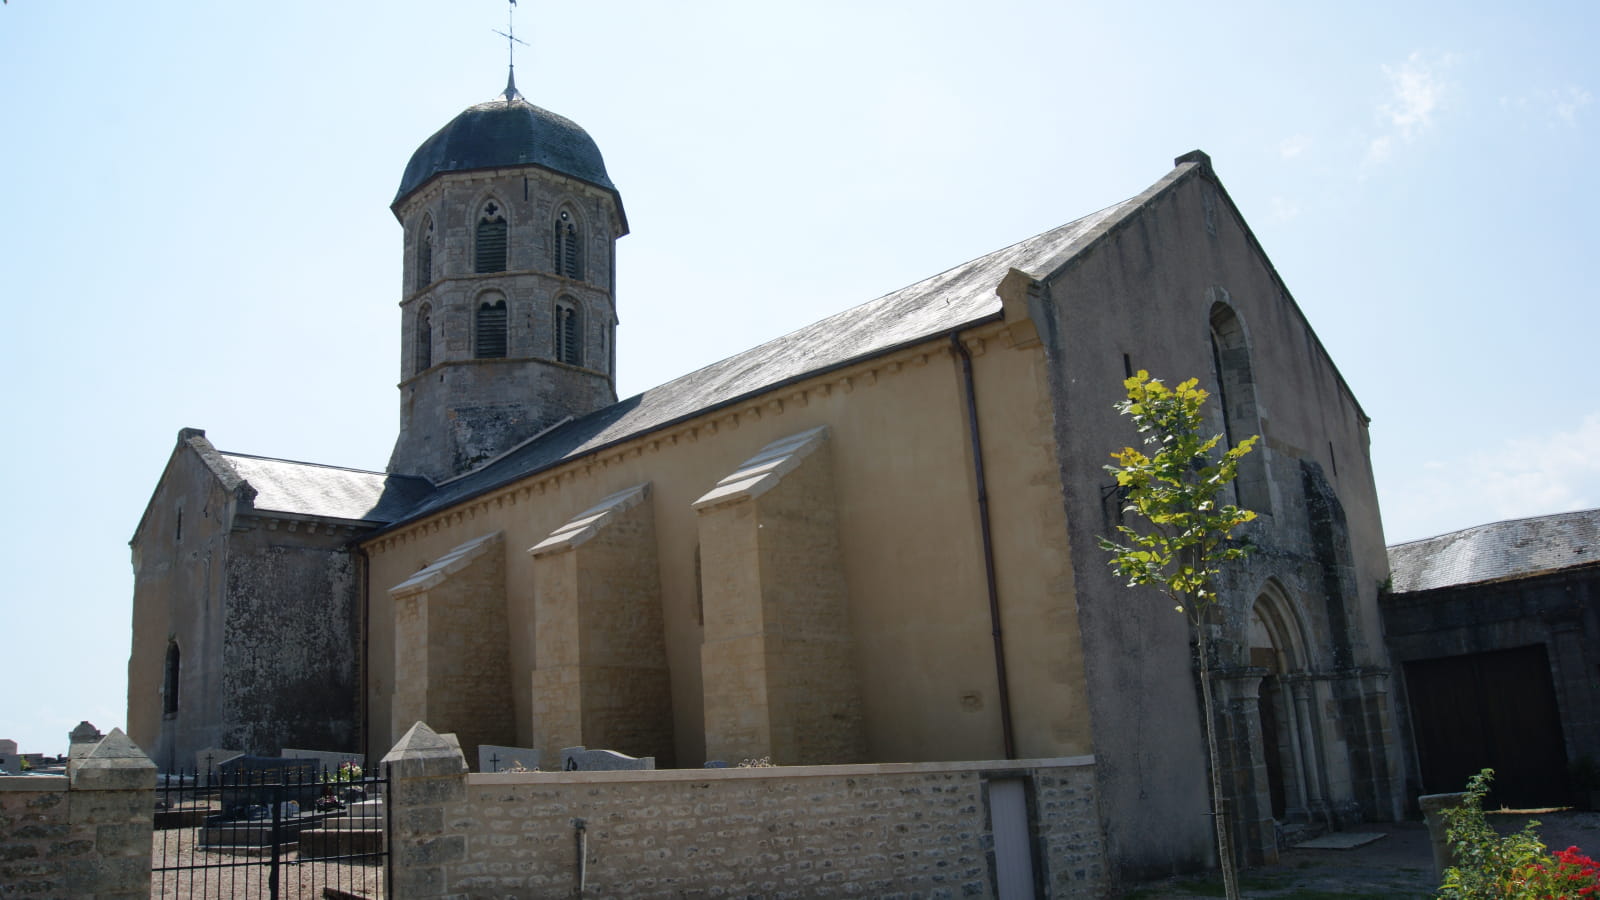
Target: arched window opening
column 568, row 246
column 569, row 332
column 1236, row 395
column 425, row 253
column 169, row 681
column 490, row 245
column 491, row 330
column 424, row 337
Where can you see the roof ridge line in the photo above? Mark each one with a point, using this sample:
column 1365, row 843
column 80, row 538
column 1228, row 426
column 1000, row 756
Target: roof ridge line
column 301, row 462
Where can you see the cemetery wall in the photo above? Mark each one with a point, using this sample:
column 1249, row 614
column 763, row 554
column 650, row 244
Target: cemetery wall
column 858, row 830
column 84, row 834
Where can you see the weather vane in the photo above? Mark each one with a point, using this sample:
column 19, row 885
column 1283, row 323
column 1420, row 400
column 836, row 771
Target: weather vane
column 510, row 34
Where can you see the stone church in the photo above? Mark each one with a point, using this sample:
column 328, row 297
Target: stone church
column 870, row 540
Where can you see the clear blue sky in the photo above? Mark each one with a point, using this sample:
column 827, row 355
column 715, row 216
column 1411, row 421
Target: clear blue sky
column 196, row 228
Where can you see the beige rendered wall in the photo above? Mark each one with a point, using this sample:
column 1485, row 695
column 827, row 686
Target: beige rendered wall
column 908, row 534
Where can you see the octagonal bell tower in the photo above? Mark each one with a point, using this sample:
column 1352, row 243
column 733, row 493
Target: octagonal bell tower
column 508, row 316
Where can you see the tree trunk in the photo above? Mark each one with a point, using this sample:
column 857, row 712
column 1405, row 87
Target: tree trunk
column 1219, row 801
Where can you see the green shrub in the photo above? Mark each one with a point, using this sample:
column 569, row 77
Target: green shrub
column 1487, row 863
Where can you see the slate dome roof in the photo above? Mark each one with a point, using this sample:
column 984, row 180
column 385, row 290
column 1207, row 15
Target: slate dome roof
column 506, row 131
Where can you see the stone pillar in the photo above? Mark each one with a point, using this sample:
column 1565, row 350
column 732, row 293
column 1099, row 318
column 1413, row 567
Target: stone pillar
column 111, row 792
column 85, row 834
column 427, row 775
column 1433, row 807
column 1306, row 757
column 1244, row 769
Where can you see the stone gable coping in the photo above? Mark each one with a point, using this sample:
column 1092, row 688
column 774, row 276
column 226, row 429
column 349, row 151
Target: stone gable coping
column 588, row 523
column 762, row 472
column 435, row 573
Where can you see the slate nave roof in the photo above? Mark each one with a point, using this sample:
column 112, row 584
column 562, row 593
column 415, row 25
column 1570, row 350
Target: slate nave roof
column 950, row 301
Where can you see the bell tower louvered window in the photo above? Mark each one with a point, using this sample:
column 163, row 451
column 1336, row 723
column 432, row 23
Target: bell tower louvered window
column 568, row 246
column 424, row 337
column 490, row 342
column 569, row 333
column 490, row 245
column 425, row 253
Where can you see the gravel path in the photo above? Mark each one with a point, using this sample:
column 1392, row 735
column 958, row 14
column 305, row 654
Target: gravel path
column 242, row 875
column 1398, row 866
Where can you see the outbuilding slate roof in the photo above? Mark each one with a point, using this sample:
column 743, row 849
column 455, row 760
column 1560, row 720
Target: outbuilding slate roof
column 328, row 492
column 1496, row 552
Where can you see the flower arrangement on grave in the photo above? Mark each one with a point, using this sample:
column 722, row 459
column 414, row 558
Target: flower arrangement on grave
column 347, row 771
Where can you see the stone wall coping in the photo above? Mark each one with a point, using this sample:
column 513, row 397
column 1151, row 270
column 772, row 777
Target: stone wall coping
column 33, row 783
column 762, row 472
column 588, row 523
column 731, row 773
column 435, row 573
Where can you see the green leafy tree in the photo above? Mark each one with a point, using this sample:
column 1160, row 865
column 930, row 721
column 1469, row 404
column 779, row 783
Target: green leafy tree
column 1181, row 534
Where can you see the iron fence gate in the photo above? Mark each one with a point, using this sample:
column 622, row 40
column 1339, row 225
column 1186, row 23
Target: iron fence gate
column 271, row 829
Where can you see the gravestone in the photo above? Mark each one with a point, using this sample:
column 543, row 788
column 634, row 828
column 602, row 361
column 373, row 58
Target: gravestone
column 579, row 759
column 85, row 733
column 81, row 741
column 207, row 760
column 495, row 758
column 253, row 781
column 331, row 760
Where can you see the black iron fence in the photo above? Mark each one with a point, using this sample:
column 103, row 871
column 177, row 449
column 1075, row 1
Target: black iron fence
column 260, row 827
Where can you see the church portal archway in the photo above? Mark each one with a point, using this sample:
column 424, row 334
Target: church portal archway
column 1289, row 737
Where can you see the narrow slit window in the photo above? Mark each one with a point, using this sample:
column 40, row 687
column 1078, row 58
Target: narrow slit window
column 491, row 330
column 424, row 337
column 490, row 251
column 568, row 246
column 425, row 254
column 569, row 330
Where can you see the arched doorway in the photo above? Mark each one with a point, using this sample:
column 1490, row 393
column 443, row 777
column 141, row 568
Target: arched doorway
column 1287, row 698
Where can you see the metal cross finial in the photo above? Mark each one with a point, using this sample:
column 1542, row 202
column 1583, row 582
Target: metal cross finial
column 510, row 34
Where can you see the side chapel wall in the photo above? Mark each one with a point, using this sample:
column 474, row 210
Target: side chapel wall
column 180, row 553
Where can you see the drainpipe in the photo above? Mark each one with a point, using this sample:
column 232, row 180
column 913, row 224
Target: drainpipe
column 366, row 638
column 988, row 544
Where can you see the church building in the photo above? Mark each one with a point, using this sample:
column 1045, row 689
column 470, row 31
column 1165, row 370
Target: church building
column 871, row 540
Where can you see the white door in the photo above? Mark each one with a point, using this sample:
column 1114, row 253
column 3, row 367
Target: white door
column 1013, row 846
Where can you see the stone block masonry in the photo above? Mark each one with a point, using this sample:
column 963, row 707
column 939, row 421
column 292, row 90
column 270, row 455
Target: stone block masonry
column 907, row 829
column 83, row 834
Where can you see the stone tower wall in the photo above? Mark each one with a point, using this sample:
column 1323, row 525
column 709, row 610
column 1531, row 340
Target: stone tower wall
column 458, row 411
